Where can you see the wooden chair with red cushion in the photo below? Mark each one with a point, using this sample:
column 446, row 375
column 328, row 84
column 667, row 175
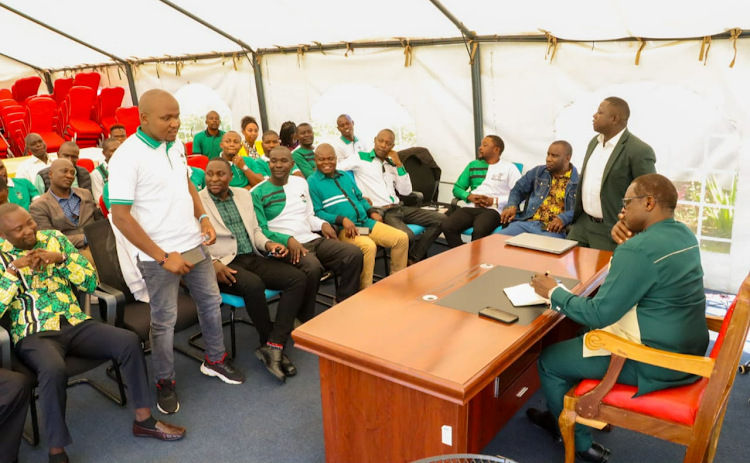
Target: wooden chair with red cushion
column 689, row 415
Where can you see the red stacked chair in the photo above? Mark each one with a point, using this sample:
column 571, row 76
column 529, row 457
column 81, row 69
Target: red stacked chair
column 13, row 119
column 26, row 87
column 200, row 161
column 87, row 164
column 6, row 94
column 77, row 117
column 42, row 118
column 128, row 117
column 87, row 79
column 107, row 102
column 189, row 148
column 61, row 89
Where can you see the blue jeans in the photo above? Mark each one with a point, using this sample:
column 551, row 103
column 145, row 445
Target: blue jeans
column 163, row 287
column 528, row 226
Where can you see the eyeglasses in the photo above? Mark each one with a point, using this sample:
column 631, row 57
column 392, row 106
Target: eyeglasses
column 626, row 201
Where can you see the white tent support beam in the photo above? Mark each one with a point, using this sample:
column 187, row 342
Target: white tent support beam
column 128, row 67
column 476, row 72
column 255, row 63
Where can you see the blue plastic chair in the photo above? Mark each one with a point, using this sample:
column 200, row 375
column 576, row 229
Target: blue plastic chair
column 234, row 303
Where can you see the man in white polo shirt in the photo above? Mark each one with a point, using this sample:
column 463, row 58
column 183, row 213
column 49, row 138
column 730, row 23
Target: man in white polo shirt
column 158, row 210
column 37, row 148
column 347, row 145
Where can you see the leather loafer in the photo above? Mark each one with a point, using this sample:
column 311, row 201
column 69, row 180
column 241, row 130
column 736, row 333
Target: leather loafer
column 287, row 366
column 271, row 358
column 163, row 431
column 546, row 421
column 597, row 453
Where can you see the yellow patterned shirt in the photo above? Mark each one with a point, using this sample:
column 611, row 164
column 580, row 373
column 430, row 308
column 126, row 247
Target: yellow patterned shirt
column 554, row 204
column 36, row 299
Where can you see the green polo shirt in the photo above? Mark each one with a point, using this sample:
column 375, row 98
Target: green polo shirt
column 231, row 217
column 239, row 179
column 207, row 145
column 305, row 160
column 22, row 192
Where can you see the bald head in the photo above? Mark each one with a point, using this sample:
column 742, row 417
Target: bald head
column 70, row 151
column 324, row 150
column 62, row 173
column 160, row 115
column 325, row 159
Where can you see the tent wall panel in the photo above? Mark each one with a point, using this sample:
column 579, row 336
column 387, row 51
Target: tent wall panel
column 11, row 71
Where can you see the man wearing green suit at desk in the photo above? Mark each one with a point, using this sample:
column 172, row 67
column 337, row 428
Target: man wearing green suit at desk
column 653, row 295
column 613, row 159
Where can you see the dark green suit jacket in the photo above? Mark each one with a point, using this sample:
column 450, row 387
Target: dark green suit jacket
column 631, row 158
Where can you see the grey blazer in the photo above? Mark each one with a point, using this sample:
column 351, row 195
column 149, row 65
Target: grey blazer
column 48, row 215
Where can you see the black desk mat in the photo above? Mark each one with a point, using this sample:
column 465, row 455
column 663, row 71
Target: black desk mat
column 487, row 291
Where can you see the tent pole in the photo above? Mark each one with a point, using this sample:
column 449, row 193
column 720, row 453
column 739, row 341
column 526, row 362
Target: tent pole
column 131, row 83
column 261, row 94
column 446, row 12
column 476, row 99
column 48, row 81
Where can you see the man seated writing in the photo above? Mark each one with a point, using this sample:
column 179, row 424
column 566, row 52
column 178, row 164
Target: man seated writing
column 70, row 151
column 285, row 214
column 337, row 199
column 551, row 194
column 39, row 271
column 243, row 271
column 653, row 295
column 380, row 175
column 65, row 208
column 485, row 185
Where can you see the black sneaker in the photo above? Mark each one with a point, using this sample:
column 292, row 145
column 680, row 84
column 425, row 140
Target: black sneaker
column 166, row 397
column 224, row 370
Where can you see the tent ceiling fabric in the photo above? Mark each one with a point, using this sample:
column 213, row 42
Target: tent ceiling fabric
column 149, row 28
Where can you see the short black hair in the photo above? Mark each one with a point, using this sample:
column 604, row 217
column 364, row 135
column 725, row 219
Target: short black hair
column 566, row 146
column 116, row 126
column 8, row 208
column 287, row 131
column 497, row 141
column 389, row 131
column 269, row 132
column 109, row 141
column 659, row 187
column 621, row 105
column 248, row 120
column 221, row 160
column 306, row 124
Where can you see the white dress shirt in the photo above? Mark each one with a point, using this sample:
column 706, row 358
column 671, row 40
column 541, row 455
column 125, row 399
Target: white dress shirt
column 592, row 178
column 347, row 149
column 29, row 168
column 378, row 180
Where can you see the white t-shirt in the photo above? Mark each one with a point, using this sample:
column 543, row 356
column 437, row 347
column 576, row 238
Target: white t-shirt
column 297, row 219
column 153, row 179
column 29, row 168
column 346, row 149
column 501, row 178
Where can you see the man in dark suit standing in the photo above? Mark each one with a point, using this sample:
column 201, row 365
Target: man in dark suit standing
column 614, row 158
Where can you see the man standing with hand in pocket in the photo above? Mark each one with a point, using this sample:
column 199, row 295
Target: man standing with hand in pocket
column 158, row 210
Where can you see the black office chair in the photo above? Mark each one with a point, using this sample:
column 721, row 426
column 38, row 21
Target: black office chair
column 74, row 365
column 423, row 171
column 118, row 305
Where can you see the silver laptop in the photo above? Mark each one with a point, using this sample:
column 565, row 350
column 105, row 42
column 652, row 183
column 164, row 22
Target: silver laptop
column 541, row 243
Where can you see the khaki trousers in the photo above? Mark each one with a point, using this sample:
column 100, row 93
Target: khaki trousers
column 381, row 235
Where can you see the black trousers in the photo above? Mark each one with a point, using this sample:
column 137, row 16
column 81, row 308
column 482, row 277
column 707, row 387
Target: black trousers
column 324, row 253
column 399, row 216
column 44, row 353
column 484, row 221
column 14, row 402
column 254, row 275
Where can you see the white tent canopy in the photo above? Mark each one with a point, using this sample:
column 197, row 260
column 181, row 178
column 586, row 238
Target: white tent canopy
column 540, row 69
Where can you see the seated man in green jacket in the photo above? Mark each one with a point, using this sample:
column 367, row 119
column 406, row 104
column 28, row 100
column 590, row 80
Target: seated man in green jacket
column 337, row 199
column 653, row 295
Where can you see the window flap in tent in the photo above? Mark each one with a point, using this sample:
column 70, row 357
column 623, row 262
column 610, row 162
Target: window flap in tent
column 33, row 44
column 602, row 19
column 136, row 28
column 292, row 22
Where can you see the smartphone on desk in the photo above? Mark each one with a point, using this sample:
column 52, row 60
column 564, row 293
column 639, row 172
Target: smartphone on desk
column 194, row 255
column 499, row 315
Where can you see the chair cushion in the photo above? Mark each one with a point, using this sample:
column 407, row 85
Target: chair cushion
column 679, row 404
column 85, row 127
column 138, row 316
column 416, row 229
column 237, row 301
column 470, row 230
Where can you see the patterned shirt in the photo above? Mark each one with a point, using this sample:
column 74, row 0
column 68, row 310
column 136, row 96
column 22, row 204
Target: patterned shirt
column 37, row 299
column 233, row 220
column 71, row 206
column 554, row 203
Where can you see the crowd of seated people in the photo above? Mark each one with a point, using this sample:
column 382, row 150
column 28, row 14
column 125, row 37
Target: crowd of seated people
column 308, row 209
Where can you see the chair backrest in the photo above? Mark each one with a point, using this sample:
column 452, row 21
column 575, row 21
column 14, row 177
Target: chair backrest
column 6, row 94
column 129, row 117
column 88, row 79
column 26, row 87
column 41, row 114
column 103, row 206
column 87, row 164
column 198, row 160
column 519, row 166
column 61, row 89
column 423, row 179
column 103, row 247
column 79, row 102
column 188, row 148
column 109, row 100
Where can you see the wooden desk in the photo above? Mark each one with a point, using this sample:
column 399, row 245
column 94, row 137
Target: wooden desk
column 394, row 369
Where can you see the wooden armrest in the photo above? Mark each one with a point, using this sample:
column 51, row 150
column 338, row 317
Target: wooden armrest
column 701, row 366
column 714, row 322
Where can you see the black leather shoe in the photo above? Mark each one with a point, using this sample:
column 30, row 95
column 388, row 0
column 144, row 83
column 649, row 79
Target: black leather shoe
column 597, row 453
column 546, row 421
column 287, row 366
column 271, row 358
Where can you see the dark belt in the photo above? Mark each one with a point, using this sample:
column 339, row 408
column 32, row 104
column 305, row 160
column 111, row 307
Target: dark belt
column 596, row 219
column 390, row 206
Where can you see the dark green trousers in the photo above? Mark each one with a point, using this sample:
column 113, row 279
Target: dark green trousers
column 590, row 234
column 562, row 366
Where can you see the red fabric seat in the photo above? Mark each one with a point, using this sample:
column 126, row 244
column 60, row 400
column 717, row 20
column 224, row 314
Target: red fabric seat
column 61, row 89
column 87, row 79
column 107, row 103
column 129, row 117
column 103, row 206
column 189, row 148
column 87, row 164
column 200, row 161
column 3, row 147
column 42, row 118
column 6, row 94
column 80, row 127
column 26, row 87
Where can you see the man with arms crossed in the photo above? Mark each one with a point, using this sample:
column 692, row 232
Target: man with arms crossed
column 653, row 295
column 158, row 210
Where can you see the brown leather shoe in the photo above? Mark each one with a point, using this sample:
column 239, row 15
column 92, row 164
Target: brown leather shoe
column 163, row 431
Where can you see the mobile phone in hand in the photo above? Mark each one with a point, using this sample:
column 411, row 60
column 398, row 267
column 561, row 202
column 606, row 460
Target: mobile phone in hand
column 364, row 231
column 194, row 255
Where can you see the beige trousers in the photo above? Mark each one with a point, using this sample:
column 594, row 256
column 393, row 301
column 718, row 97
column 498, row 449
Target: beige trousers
column 381, row 235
